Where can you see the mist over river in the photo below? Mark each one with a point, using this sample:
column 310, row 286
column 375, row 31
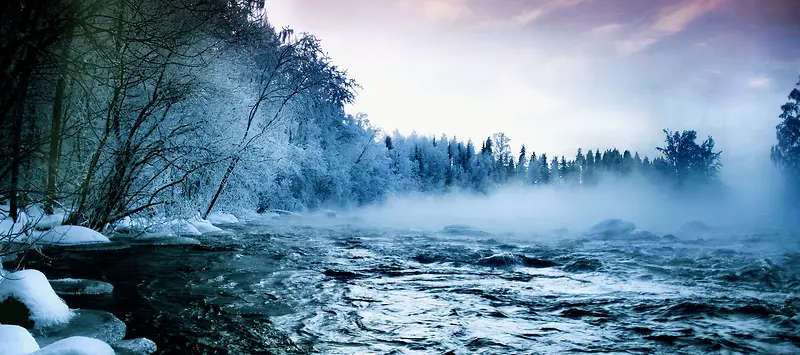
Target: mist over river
column 326, row 285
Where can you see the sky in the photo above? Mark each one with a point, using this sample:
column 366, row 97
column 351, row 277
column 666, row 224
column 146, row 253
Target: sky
column 557, row 75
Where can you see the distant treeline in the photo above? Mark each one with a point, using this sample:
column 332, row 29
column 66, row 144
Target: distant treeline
column 115, row 108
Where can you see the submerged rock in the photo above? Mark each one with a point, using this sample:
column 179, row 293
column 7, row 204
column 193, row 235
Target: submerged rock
column 583, row 265
column 612, row 227
column 81, row 287
column 86, row 323
column 510, row 259
column 342, row 274
column 458, row 229
column 135, row 346
column 166, row 240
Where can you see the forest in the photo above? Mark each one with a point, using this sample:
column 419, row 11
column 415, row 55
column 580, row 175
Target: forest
column 112, row 109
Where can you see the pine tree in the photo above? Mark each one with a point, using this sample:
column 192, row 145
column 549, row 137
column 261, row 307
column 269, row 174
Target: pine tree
column 786, row 153
column 555, row 172
column 627, row 163
column 589, row 174
column 544, row 170
column 522, row 164
column 534, row 170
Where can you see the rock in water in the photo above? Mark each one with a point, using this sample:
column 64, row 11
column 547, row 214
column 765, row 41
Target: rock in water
column 612, row 227
column 500, row 260
column 457, row 229
column 81, row 287
column 31, row 290
column 15, row 340
column 86, row 323
column 77, row 345
column 137, row 346
column 166, row 240
column 583, row 265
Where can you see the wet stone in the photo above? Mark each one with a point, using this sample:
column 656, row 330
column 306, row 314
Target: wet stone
column 583, row 265
column 76, row 287
column 141, row 346
column 88, row 323
column 14, row 312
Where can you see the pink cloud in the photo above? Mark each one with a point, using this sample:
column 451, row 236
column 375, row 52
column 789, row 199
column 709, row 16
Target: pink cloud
column 669, row 21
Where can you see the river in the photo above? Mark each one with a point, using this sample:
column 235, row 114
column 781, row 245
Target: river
column 295, row 287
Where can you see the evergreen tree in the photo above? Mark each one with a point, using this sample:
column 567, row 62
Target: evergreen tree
column 522, row 164
column 627, row 164
column 534, row 170
column 544, row 170
column 687, row 161
column 555, row 171
column 589, row 175
column 786, row 153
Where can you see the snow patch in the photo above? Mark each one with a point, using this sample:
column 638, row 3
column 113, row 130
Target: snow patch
column 204, row 226
column 222, row 218
column 15, row 340
column 31, row 288
column 67, row 235
column 50, row 221
column 9, row 229
column 183, row 227
column 77, row 346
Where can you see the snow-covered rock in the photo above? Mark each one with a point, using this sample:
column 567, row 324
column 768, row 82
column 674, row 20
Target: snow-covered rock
column 68, row 235
column 49, row 221
column 132, row 224
column 15, row 340
column 612, row 227
column 77, row 345
column 204, row 226
column 31, row 289
column 166, row 240
column 99, row 325
column 183, row 227
column 222, row 218
column 81, row 287
column 138, row 345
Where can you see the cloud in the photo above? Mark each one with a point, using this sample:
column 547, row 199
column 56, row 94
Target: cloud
column 437, row 11
column 528, row 16
column 670, row 20
column 759, row 82
column 605, row 30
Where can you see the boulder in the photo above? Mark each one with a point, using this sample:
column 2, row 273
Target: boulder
column 28, row 293
column 15, row 340
column 612, row 227
column 77, row 345
column 86, row 323
column 135, row 346
column 81, row 287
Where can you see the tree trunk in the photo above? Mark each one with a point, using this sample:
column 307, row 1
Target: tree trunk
column 55, row 130
column 221, row 186
column 16, row 146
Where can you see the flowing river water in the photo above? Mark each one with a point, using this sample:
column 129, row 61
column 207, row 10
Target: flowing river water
column 296, row 288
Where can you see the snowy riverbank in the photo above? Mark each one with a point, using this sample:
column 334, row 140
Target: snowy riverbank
column 34, row 316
